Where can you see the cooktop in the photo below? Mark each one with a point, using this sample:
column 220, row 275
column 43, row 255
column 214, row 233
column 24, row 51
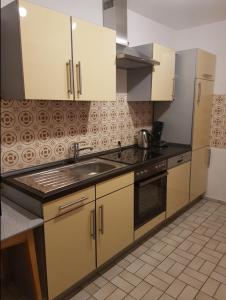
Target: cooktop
column 131, row 155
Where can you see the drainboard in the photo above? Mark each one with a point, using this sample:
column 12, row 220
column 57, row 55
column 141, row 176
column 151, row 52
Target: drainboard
column 60, row 177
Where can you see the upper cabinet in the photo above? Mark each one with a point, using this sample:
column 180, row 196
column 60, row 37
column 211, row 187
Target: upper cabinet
column 94, row 52
column 206, row 63
column 163, row 74
column 153, row 83
column 38, row 47
column 36, row 53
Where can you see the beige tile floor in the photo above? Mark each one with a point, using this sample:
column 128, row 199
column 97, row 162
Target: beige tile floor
column 185, row 260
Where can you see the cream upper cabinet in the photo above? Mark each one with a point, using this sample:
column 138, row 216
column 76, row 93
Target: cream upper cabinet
column 202, row 113
column 163, row 81
column 114, row 223
column 37, row 42
column 94, row 53
column 178, row 184
column 205, row 67
column 69, row 240
column 199, row 172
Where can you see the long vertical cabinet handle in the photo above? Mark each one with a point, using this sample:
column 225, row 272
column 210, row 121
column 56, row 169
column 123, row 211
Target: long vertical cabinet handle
column 68, row 72
column 101, row 219
column 209, row 157
column 199, row 92
column 93, row 224
column 71, row 76
column 79, row 78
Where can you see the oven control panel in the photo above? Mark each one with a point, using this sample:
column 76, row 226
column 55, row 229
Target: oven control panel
column 150, row 170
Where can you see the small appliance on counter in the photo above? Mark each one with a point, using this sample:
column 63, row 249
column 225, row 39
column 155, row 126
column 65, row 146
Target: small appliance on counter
column 144, row 139
column 156, row 134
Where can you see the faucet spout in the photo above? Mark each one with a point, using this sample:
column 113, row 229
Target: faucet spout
column 77, row 150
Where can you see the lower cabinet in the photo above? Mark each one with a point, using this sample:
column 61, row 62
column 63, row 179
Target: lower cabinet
column 114, row 223
column 199, row 172
column 81, row 233
column 178, row 183
column 70, row 248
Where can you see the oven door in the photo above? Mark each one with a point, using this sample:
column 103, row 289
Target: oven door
column 150, row 199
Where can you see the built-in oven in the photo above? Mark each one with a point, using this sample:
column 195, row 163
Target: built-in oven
column 149, row 192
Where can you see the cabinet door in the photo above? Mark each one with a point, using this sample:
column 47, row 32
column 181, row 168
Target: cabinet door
column 199, row 172
column 94, row 52
column 178, row 184
column 114, row 223
column 202, row 113
column 70, row 248
column 206, row 63
column 163, row 74
column 46, row 49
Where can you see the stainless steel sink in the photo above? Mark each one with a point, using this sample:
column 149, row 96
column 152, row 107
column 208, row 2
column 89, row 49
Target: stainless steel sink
column 56, row 178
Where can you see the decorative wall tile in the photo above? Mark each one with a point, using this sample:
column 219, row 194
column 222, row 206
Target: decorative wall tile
column 38, row 132
column 218, row 123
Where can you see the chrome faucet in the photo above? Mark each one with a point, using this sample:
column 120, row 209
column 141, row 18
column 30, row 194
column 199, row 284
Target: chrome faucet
column 77, row 150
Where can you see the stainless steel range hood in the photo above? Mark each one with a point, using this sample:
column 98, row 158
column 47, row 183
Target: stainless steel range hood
column 115, row 17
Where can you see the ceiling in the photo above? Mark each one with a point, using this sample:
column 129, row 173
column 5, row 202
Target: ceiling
column 181, row 14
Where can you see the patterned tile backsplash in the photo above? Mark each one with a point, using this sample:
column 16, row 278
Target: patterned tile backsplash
column 218, row 123
column 37, row 132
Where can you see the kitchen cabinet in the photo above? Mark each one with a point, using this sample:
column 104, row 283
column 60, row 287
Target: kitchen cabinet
column 163, row 75
column 202, row 113
column 94, row 52
column 114, row 223
column 199, row 172
column 206, row 63
column 69, row 240
column 36, row 52
column 78, row 231
column 146, row 84
column 178, row 185
column 48, row 55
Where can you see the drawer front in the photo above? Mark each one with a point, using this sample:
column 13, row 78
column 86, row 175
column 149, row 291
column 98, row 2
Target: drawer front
column 114, row 184
column 141, row 231
column 179, row 159
column 65, row 204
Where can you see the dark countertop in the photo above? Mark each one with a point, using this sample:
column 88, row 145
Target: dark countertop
column 8, row 179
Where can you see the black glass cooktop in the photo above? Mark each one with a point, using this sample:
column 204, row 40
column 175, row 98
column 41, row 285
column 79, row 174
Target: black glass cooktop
column 131, row 155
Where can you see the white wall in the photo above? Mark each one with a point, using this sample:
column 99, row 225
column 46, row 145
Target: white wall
column 142, row 30
column 217, row 175
column 89, row 10
column 212, row 38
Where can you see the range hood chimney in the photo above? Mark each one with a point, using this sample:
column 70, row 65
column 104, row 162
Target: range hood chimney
column 115, row 17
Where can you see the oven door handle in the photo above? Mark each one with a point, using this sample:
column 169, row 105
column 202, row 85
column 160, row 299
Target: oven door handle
column 146, row 182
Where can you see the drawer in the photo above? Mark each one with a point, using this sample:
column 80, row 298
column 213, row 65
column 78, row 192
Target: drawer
column 114, row 184
column 67, row 203
column 179, row 159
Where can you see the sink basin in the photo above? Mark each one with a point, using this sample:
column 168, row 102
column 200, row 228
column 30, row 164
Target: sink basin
column 56, row 178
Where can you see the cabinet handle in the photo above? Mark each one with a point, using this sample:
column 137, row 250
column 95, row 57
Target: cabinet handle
column 173, row 94
column 69, row 92
column 93, row 224
column 71, row 76
column 199, row 92
column 209, row 157
column 79, row 78
column 101, row 213
column 207, row 76
column 80, row 201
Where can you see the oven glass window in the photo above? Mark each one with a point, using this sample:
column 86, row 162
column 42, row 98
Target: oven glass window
column 150, row 200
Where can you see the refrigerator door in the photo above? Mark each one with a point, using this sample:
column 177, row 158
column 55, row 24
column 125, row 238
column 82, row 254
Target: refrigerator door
column 202, row 113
